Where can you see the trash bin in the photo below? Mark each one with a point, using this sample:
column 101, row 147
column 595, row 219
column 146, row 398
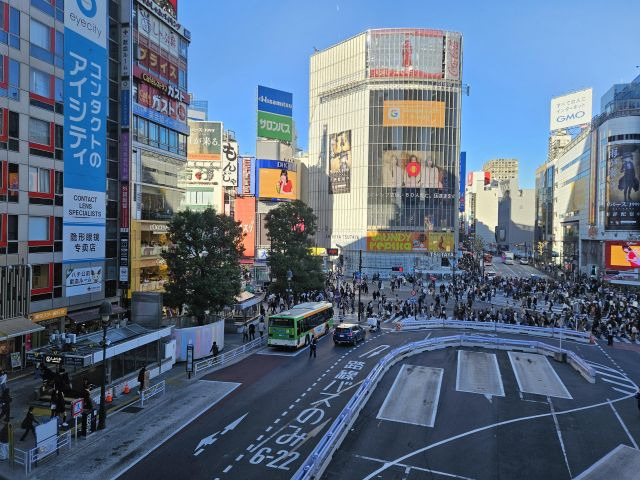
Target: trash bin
column 88, row 422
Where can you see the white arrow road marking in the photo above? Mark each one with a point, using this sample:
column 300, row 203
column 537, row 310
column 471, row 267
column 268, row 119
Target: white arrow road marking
column 376, row 351
column 210, row 439
column 488, row 397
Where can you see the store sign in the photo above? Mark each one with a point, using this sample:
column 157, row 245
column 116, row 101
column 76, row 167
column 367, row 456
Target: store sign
column 85, row 117
column 412, row 113
column 152, row 98
column 275, row 101
column 433, row 242
column 125, row 153
column 571, row 110
column 158, row 64
column 277, row 127
column 48, row 314
column 150, row 26
column 246, row 177
column 230, row 164
column 169, row 90
column 159, row 118
column 159, row 228
column 453, row 56
column 80, row 281
column 166, row 15
column 125, row 51
column 53, row 359
column 205, row 141
column 461, row 176
column 124, row 207
column 275, row 109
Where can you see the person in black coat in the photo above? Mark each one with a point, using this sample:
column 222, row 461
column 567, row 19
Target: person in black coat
column 141, row 379
column 27, row 424
column 6, row 405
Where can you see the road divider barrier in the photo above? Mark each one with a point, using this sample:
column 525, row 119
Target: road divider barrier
column 226, row 358
column 319, row 458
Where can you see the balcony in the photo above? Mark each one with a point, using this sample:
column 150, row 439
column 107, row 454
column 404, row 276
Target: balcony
column 151, row 286
column 152, row 250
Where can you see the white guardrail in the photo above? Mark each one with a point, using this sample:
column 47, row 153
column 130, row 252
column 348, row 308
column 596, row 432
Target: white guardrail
column 228, row 357
column 496, row 327
column 152, row 391
column 319, row 458
column 31, row 457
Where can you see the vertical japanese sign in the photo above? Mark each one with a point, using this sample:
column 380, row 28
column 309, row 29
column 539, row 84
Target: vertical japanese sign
column 85, row 118
column 463, row 174
column 230, row 164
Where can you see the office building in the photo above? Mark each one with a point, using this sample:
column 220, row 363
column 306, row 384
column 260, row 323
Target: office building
column 384, row 147
column 198, row 110
column 502, row 168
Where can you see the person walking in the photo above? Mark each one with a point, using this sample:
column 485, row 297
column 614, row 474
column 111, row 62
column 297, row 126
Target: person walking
column 3, row 380
column 252, row 331
column 638, row 398
column 27, row 424
column 609, row 335
column 6, row 405
column 215, row 350
column 141, row 379
column 313, row 346
column 261, row 326
column 245, row 334
column 60, row 408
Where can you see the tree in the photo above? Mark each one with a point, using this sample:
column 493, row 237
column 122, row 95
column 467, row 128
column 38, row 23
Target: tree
column 203, row 262
column 291, row 227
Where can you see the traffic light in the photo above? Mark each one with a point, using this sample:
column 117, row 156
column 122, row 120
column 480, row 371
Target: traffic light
column 397, row 269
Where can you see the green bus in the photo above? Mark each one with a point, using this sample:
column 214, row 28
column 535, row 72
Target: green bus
column 295, row 327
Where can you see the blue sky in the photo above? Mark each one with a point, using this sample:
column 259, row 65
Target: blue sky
column 517, row 55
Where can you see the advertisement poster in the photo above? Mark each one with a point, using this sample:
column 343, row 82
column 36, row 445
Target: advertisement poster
column 276, row 127
column 571, row 110
column 340, row 162
column 275, row 101
column 275, row 111
column 197, row 176
column 246, row 176
column 80, row 281
column 412, row 113
column 462, row 175
column 205, row 141
column 622, row 255
column 622, row 196
column 85, row 136
column 245, row 213
column 411, row 169
column 397, row 242
column 277, row 179
column 441, row 242
column 230, row 164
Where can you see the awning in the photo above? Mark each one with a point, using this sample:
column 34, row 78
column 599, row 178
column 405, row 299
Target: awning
column 247, row 299
column 14, row 327
column 83, row 316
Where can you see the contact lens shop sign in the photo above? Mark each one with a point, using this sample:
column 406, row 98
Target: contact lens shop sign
column 85, row 116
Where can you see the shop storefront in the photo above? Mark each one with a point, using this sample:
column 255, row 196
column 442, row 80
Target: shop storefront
column 15, row 341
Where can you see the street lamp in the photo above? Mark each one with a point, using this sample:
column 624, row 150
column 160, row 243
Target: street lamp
column 105, row 314
column 289, row 278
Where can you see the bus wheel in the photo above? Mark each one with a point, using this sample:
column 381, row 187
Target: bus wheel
column 306, row 341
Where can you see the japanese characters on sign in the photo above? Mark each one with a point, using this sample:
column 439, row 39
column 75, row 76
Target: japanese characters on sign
column 230, row 164
column 571, row 110
column 83, row 280
column 157, row 32
column 205, row 141
column 85, row 117
column 622, row 196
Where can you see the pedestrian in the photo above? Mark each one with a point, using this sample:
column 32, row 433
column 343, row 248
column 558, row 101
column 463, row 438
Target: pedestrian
column 60, row 408
column 52, row 403
column 6, row 405
column 3, row 380
column 27, row 424
column 261, row 326
column 214, row 349
column 638, row 398
column 609, row 335
column 313, row 347
column 142, row 379
column 245, row 334
column 252, row 331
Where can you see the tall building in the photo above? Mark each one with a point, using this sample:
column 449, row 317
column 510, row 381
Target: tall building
column 198, row 109
column 502, row 168
column 384, row 146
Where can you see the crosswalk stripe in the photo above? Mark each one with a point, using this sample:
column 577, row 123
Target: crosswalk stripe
column 617, row 383
column 622, row 391
column 619, row 376
column 599, row 365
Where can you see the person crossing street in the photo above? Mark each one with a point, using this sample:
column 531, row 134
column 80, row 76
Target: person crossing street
column 313, row 346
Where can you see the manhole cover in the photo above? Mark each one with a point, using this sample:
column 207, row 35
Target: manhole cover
column 132, row 409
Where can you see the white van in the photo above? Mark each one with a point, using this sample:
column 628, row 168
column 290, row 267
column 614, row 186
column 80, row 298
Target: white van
column 507, row 258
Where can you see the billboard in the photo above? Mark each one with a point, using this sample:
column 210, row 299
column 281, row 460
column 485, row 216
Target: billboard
column 157, row 31
column 245, row 213
column 275, row 101
column 622, row 255
column 440, row 242
column 412, row 169
column 276, row 127
column 85, row 136
column 571, row 110
column 462, row 175
column 453, row 56
column 194, row 175
column 230, row 164
column 80, row 281
column 410, row 242
column 412, row 113
column 622, row 199
column 277, row 179
column 246, row 176
column 340, row 162
column 205, row 141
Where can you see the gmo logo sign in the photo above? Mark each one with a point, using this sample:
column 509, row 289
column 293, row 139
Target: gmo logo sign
column 88, row 7
column 394, row 113
column 570, row 116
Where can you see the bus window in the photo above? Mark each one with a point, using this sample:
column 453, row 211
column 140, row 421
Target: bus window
column 282, row 322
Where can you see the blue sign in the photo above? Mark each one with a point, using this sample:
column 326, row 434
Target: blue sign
column 275, row 101
column 86, row 104
column 277, row 165
column 158, row 117
column 125, row 112
column 463, row 177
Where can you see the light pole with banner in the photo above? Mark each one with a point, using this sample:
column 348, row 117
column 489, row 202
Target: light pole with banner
column 105, row 315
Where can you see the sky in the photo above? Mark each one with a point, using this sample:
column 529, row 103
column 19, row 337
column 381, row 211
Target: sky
column 516, row 57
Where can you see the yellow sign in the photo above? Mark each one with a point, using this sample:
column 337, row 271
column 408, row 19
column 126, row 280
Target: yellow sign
column 441, row 242
column 276, row 183
column 413, row 113
column 318, row 251
column 396, row 242
column 48, row 314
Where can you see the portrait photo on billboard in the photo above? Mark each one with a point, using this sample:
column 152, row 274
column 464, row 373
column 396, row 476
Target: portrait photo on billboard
column 277, row 179
column 622, row 187
column 340, row 162
column 622, row 255
column 412, row 169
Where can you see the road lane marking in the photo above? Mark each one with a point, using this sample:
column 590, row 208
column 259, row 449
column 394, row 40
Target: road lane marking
column 413, row 467
column 625, row 392
column 229, row 467
column 239, row 457
column 375, row 351
column 478, row 372
column 624, row 426
column 608, row 380
column 559, row 433
column 535, row 374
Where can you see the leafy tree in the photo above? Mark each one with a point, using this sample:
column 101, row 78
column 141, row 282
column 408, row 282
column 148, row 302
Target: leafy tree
column 203, row 262
column 291, row 227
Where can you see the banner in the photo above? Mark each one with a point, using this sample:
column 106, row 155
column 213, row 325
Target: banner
column 453, row 56
column 197, row 176
column 245, row 213
column 80, row 281
column 412, row 113
column 230, row 164
column 277, row 180
column 397, row 242
column 205, row 141
column 85, row 118
column 622, row 255
column 411, row 169
column 275, row 101
column 246, row 176
column 277, row 127
column 340, row 162
column 462, row 175
column 622, row 198
column 571, row 110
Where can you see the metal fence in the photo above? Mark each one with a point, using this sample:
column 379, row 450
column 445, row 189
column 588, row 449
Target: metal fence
column 319, row 458
column 30, row 458
column 228, row 357
column 152, row 391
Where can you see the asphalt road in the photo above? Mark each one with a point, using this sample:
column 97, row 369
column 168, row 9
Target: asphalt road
column 514, row 270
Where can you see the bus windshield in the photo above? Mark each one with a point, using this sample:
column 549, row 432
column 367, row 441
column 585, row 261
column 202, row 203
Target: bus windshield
column 282, row 322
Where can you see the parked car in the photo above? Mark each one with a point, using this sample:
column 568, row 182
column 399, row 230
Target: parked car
column 348, row 333
column 524, row 261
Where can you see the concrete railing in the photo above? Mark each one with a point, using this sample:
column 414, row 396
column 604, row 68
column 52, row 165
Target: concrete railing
column 229, row 357
column 320, row 457
column 496, row 327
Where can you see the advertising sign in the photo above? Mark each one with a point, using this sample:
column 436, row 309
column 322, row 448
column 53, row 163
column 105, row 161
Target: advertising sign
column 245, row 213
column 571, row 110
column 397, row 242
column 85, row 116
column 230, row 164
column 277, row 179
column 412, row 169
column 277, row 127
column 441, row 242
column 194, row 175
column 205, row 141
column 463, row 173
column 622, row 255
column 83, row 280
column 622, row 198
column 275, row 101
column 452, row 70
column 412, row 113
column 157, row 31
column 153, row 98
column 160, row 118
column 246, row 176
column 340, row 162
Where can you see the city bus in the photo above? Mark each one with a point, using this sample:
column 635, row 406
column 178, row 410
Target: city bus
column 295, row 327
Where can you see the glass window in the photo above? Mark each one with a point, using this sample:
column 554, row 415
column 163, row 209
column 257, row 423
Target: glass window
column 39, row 180
column 59, row 90
column 14, row 177
column 40, row 83
column 59, row 49
column 14, row 28
column 12, row 228
column 173, row 141
column 153, row 133
column 14, row 125
column 40, row 276
column 142, row 129
column 39, row 131
column 184, row 46
column 39, row 35
column 163, row 137
column 38, row 228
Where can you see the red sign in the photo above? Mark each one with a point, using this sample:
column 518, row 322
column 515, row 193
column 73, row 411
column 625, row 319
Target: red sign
column 245, row 213
column 167, row 89
column 332, row 251
column 124, row 206
column 76, row 407
column 157, row 63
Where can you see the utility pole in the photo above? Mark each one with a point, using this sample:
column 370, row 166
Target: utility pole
column 359, row 283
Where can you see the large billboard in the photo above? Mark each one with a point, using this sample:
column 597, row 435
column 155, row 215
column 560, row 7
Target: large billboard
column 275, row 101
column 246, row 176
column 277, row 180
column 405, row 52
column 275, row 111
column 245, row 213
column 413, row 113
column 410, row 242
column 85, row 116
column 412, row 169
column 622, row 199
column 205, row 141
column 453, row 56
column 622, row 255
column 571, row 110
column 461, row 177
column 230, row 164
column 340, row 162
